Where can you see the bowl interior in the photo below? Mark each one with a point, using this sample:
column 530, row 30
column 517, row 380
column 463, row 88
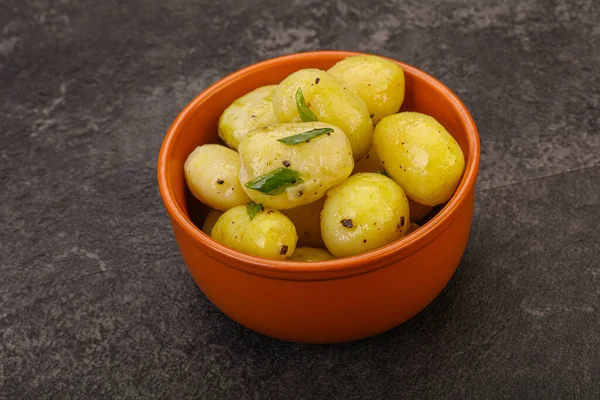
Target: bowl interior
column 197, row 124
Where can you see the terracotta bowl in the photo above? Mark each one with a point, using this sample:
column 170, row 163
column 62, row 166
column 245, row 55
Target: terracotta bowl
column 331, row 301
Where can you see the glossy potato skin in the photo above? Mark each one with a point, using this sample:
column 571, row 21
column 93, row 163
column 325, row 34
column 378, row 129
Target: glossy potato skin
column 323, row 162
column 311, row 254
column 377, row 81
column 211, row 174
column 211, row 219
column 245, row 114
column 330, row 101
column 377, row 208
column 420, row 155
column 270, row 234
column 307, row 220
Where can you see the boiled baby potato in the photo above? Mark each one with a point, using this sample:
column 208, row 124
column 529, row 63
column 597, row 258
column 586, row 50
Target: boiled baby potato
column 307, row 219
column 269, row 234
column 365, row 212
column 211, row 174
column 250, row 111
column 310, row 254
column 329, row 101
column 290, row 165
column 417, row 210
column 377, row 81
column 420, row 155
column 413, row 227
column 210, row 221
column 369, row 163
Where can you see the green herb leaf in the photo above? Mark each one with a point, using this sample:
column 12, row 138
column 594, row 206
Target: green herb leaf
column 305, row 136
column 275, row 182
column 382, row 172
column 252, row 208
column 305, row 114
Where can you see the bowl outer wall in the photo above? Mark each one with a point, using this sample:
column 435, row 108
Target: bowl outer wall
column 332, row 310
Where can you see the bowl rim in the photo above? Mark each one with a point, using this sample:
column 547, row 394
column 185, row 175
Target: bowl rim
column 322, row 270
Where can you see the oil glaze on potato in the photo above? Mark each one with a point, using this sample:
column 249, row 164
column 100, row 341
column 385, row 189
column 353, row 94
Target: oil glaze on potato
column 210, row 221
column 270, row 234
column 420, row 155
column 377, row 81
column 365, row 212
column 211, row 174
column 250, row 111
column 307, row 219
column 330, row 101
column 310, row 254
column 322, row 162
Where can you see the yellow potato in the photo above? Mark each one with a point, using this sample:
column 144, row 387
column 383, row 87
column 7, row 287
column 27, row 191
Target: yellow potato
column 310, row 254
column 210, row 221
column 420, row 155
column 247, row 113
column 369, row 163
column 307, row 220
column 413, row 227
column 417, row 210
column 321, row 163
column 330, row 101
column 377, row 81
column 270, row 234
column 211, row 174
column 365, row 212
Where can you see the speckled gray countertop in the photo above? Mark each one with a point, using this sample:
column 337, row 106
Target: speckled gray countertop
column 95, row 301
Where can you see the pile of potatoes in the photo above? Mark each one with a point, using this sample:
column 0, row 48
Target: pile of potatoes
column 323, row 165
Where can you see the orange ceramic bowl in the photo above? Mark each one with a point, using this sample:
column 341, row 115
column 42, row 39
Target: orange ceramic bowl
column 330, row 301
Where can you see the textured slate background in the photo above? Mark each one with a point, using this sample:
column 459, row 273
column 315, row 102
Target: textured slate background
column 94, row 299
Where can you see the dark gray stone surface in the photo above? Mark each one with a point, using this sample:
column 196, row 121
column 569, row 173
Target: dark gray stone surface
column 94, row 299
